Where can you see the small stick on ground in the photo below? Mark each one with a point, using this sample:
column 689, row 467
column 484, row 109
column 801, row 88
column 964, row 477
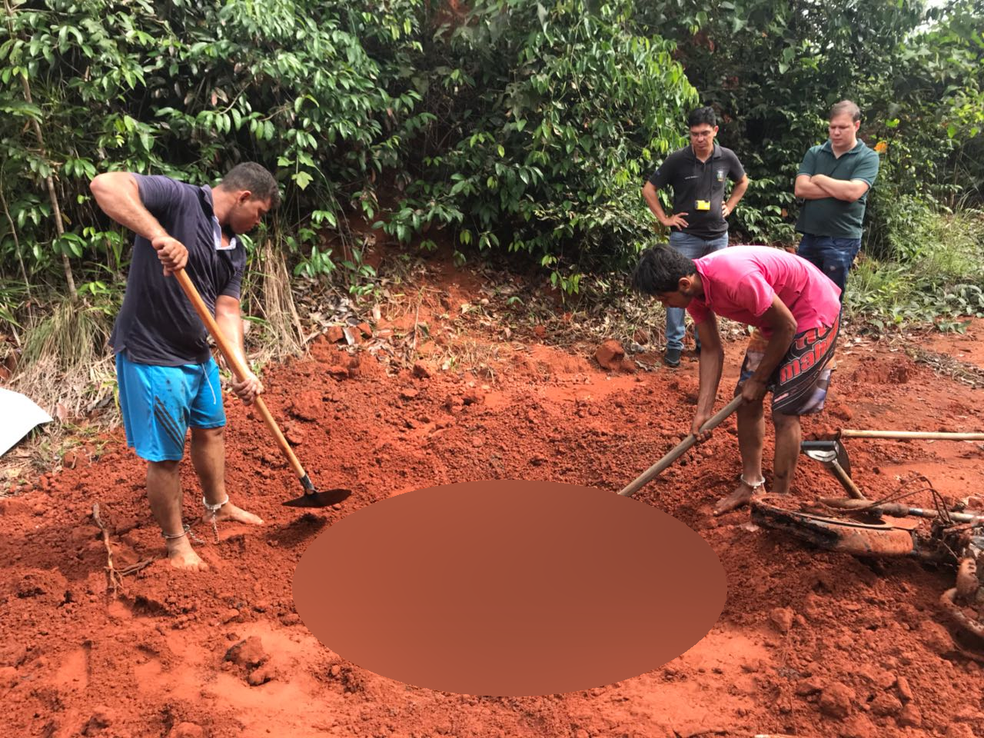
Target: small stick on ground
column 416, row 322
column 113, row 578
column 134, row 568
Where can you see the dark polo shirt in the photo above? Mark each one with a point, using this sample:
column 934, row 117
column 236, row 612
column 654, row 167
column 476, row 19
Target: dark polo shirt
column 693, row 180
column 829, row 216
column 157, row 324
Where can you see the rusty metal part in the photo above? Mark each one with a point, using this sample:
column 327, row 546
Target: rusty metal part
column 961, row 615
column 896, row 510
column 835, row 534
column 967, row 581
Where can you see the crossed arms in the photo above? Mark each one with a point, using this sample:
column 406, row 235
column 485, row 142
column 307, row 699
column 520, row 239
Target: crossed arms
column 819, row 186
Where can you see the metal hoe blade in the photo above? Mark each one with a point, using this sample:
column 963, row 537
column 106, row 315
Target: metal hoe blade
column 834, row 458
column 314, row 498
column 827, row 452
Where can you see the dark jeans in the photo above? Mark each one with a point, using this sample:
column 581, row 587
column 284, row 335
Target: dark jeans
column 694, row 248
column 832, row 256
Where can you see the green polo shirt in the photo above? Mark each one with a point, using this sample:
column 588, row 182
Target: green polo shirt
column 829, row 216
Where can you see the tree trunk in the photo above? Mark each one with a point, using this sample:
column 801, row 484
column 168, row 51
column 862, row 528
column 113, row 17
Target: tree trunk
column 53, row 196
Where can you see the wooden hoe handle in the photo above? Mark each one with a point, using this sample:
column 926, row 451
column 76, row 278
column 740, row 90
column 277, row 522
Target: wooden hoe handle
column 679, row 450
column 236, row 364
column 910, row 435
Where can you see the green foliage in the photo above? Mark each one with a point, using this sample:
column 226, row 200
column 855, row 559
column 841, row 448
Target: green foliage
column 772, row 68
column 315, row 91
column 362, row 276
column 934, row 275
column 523, row 127
column 551, row 118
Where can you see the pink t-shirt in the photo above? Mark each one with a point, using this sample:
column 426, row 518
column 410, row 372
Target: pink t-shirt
column 740, row 282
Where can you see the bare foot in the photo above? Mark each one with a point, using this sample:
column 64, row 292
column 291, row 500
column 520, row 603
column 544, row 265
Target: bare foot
column 741, row 496
column 236, row 514
column 183, row 556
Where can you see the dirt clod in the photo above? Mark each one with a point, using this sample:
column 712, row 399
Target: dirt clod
column 905, row 691
column 910, row 716
column 307, row 405
column 959, row 730
column 610, row 354
column 98, row 721
column 187, row 730
column 837, row 700
column 782, row 619
column 886, row 704
column 262, row 675
column 473, row 396
column 248, row 653
column 8, row 677
column 936, row 637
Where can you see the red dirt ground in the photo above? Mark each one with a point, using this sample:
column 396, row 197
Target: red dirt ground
column 809, row 644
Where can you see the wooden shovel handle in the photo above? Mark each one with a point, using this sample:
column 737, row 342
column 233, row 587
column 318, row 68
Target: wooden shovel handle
column 910, row 435
column 678, row 451
column 236, row 364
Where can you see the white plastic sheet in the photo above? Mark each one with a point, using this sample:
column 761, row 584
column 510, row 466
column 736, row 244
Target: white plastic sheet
column 18, row 415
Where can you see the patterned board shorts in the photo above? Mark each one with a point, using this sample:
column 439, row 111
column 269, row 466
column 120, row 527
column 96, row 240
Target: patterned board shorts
column 799, row 384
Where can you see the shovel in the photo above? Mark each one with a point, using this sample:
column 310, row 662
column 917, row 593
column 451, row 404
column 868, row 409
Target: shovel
column 680, row 449
column 311, row 497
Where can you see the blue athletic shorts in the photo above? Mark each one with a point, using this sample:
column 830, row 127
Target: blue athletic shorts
column 159, row 403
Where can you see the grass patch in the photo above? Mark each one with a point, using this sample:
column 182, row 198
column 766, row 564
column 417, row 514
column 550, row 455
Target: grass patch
column 935, row 278
column 64, row 366
column 272, row 307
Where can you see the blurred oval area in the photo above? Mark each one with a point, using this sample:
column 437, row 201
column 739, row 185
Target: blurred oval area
column 509, row 588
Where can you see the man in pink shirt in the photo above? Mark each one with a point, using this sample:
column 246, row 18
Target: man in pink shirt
column 795, row 312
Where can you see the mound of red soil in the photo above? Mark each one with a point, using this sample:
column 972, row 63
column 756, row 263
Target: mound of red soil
column 810, row 643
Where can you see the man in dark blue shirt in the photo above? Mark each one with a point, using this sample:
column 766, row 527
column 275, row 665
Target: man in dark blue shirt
column 698, row 175
column 167, row 376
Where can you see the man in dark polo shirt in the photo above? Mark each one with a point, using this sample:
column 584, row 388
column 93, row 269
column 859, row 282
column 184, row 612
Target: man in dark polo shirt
column 833, row 181
column 167, row 377
column 698, row 175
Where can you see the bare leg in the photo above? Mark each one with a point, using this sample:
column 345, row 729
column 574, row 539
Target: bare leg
column 751, row 435
column 788, row 436
column 164, row 494
column 208, row 458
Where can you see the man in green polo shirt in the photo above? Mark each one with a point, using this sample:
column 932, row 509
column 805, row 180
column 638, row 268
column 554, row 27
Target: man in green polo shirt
column 833, row 181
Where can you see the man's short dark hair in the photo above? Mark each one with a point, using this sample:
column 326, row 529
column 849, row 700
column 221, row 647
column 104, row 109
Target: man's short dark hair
column 660, row 270
column 254, row 178
column 845, row 107
column 702, row 115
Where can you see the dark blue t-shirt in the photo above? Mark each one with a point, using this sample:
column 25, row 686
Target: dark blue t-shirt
column 157, row 324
